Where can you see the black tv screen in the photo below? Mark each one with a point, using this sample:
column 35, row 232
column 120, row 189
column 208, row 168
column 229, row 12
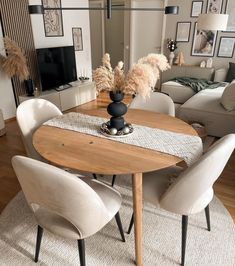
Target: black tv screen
column 57, row 66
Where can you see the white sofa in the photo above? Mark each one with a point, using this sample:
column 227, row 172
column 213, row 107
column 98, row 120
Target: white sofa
column 203, row 107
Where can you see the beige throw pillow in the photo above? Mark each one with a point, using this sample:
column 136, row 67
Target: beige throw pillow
column 228, row 97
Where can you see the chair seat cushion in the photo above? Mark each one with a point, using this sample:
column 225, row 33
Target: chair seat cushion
column 110, row 196
column 156, row 183
column 59, row 225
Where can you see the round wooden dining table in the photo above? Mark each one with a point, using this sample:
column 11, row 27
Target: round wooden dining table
column 93, row 154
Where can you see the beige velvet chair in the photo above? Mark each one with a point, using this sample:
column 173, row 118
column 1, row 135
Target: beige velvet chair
column 30, row 115
column 192, row 190
column 64, row 204
column 157, row 102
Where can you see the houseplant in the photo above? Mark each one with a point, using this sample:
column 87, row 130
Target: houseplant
column 140, row 79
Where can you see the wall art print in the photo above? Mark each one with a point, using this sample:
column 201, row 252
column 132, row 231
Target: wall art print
column 214, row 6
column 196, row 8
column 183, row 31
column 204, row 42
column 53, row 21
column 77, row 39
column 230, row 10
column 226, row 47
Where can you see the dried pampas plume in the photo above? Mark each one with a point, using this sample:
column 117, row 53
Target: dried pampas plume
column 119, row 77
column 141, row 79
column 14, row 64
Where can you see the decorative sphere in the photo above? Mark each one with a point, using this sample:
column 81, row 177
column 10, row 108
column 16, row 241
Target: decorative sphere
column 126, row 130
column 113, row 131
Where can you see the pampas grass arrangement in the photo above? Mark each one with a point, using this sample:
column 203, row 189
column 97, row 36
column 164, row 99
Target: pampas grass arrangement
column 14, row 64
column 140, row 79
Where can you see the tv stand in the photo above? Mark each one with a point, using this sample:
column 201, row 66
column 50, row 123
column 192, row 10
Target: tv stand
column 76, row 95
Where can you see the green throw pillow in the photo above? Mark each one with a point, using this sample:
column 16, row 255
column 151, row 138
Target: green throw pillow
column 231, row 72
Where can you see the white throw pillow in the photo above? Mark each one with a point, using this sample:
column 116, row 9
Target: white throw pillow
column 228, row 97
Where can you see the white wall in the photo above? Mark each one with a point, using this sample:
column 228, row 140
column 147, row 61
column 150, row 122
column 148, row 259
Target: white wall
column 7, row 101
column 146, row 29
column 71, row 18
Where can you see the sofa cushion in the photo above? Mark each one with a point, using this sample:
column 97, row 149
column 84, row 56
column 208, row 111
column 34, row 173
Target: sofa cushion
column 228, row 97
column 231, row 72
column 205, row 108
column 177, row 92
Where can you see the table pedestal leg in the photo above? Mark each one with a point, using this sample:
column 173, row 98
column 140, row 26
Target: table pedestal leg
column 137, row 206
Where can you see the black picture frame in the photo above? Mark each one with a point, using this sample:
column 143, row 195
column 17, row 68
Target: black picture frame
column 214, row 12
column 54, row 29
column 199, row 47
column 219, row 52
column 77, row 38
column 228, row 9
column 196, row 8
column 183, row 23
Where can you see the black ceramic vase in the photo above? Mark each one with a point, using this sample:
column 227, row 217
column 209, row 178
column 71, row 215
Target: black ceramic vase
column 116, row 109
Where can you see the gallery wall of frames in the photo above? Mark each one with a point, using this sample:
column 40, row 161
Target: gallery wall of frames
column 200, row 45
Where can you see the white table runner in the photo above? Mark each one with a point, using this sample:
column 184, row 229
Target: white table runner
column 188, row 148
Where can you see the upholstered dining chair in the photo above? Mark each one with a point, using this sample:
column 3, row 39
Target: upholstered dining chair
column 156, row 102
column 192, row 189
column 30, row 115
column 64, row 204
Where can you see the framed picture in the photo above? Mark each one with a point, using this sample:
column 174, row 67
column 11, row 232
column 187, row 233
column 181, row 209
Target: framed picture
column 77, row 39
column 204, row 42
column 196, row 8
column 53, row 21
column 226, row 47
column 183, row 31
column 230, row 10
column 214, row 6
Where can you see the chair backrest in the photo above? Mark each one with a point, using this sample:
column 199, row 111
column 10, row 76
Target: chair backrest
column 57, row 191
column 157, row 102
column 185, row 195
column 30, row 115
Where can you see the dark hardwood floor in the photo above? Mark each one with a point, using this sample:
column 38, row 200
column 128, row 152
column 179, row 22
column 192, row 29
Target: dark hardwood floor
column 11, row 144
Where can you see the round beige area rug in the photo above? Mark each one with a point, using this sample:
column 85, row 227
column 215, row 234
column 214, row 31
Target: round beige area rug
column 161, row 238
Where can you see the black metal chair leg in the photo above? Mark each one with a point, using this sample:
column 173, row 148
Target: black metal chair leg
column 94, row 175
column 81, row 250
column 207, row 212
column 119, row 224
column 38, row 242
column 184, row 236
column 113, row 180
column 131, row 224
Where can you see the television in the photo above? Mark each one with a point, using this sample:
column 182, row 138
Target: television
column 57, row 66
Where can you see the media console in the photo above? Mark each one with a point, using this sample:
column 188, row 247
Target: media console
column 78, row 94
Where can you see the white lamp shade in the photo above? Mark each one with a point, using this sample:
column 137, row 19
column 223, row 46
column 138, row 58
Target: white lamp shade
column 212, row 21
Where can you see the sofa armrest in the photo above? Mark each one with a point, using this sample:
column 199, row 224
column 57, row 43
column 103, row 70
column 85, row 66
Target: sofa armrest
column 220, row 74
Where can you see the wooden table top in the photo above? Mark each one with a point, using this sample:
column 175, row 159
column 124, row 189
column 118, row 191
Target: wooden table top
column 103, row 156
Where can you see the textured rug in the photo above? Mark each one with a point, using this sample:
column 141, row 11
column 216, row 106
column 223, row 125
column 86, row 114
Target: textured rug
column 161, row 239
